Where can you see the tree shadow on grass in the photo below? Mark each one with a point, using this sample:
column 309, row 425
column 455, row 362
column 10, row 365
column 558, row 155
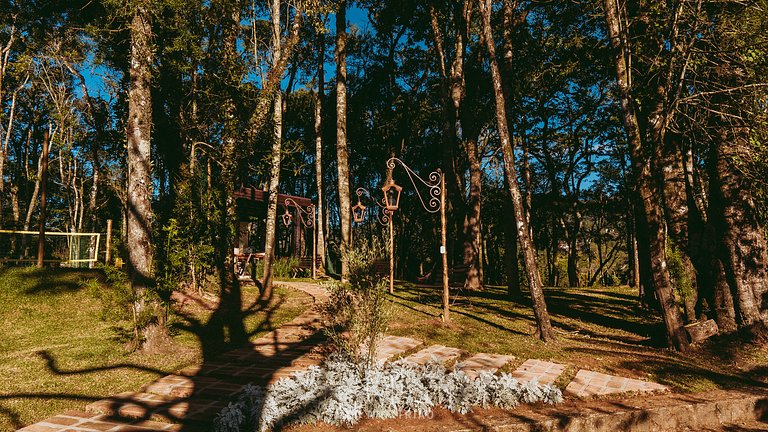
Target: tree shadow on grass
column 53, row 281
column 672, row 369
column 227, row 365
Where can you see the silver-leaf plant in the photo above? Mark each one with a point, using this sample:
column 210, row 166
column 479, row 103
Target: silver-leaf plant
column 342, row 392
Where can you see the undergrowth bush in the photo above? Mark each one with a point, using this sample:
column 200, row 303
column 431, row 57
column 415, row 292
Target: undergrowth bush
column 115, row 295
column 341, row 392
column 282, row 268
column 358, row 311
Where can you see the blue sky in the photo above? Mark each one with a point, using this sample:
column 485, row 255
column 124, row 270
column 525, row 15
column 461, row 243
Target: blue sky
column 96, row 76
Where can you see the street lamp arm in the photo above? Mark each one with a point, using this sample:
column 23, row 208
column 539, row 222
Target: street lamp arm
column 309, row 212
column 432, row 205
column 386, row 214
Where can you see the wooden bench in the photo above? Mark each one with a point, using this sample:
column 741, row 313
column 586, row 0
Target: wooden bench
column 457, row 275
column 305, row 263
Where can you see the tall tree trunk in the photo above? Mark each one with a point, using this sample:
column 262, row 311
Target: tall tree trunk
column 35, row 192
column 472, row 245
column 43, row 174
column 544, row 326
column 139, row 129
column 511, row 267
column 342, row 152
column 646, row 187
column 230, row 73
column 741, row 241
column 676, row 206
column 452, row 91
column 573, row 263
column 274, row 171
column 319, row 96
column 8, row 128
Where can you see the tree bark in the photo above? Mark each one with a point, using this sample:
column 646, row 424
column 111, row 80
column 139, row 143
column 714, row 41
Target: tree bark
column 139, row 129
column 319, row 96
column 230, row 303
column 472, row 245
column 676, row 206
column 544, row 326
column 646, row 187
column 342, row 152
column 511, row 266
column 274, row 170
column 43, row 174
column 741, row 242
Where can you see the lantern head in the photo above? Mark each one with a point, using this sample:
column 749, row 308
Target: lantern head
column 287, row 218
column 392, row 195
column 358, row 212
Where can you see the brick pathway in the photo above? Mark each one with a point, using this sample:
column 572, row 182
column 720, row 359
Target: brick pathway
column 483, row 363
column 80, row 421
column 542, row 371
column 439, row 353
column 589, row 383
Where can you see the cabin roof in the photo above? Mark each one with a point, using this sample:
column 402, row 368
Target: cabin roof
column 255, row 195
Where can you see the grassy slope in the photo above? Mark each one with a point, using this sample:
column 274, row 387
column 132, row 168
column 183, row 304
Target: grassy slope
column 601, row 329
column 57, row 354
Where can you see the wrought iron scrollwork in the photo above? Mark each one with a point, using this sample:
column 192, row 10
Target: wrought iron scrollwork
column 384, row 216
column 306, row 214
column 434, row 188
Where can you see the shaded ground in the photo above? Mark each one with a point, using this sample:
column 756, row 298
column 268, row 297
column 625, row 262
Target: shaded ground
column 601, row 329
column 57, row 353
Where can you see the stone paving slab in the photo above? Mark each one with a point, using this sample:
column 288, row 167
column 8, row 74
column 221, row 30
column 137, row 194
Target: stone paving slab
column 543, row 372
column 89, row 422
column 390, row 346
column 439, row 353
column 589, row 383
column 483, row 363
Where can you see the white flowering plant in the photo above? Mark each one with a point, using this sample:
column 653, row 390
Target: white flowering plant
column 341, row 392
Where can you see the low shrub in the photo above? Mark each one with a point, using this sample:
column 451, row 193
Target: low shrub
column 341, row 392
column 358, row 311
column 282, row 268
column 116, row 295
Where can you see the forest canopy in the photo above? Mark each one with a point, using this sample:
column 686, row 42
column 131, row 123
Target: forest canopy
column 582, row 143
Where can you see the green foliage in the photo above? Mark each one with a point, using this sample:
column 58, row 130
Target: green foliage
column 358, row 310
column 185, row 258
column 115, row 295
column 681, row 276
column 283, row 267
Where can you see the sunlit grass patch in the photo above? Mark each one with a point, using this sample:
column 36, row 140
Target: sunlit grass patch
column 59, row 351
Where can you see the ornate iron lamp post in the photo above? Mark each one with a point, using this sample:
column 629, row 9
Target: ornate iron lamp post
column 435, row 202
column 358, row 214
column 306, row 218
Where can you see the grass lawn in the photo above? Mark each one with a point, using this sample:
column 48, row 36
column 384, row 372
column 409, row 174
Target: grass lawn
column 601, row 329
column 56, row 353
